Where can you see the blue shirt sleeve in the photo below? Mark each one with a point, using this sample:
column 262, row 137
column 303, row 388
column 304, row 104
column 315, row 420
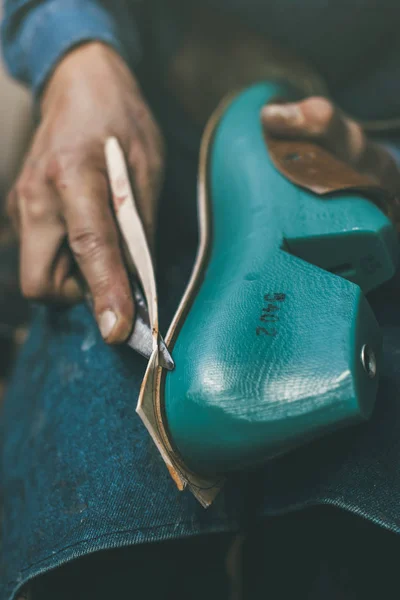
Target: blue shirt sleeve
column 37, row 33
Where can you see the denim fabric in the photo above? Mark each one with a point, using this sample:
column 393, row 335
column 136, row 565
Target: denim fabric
column 329, row 554
column 189, row 569
column 79, row 472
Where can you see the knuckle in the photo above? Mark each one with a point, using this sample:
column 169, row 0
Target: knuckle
column 29, row 195
column 86, row 243
column 323, row 114
column 24, row 189
column 28, row 180
column 60, row 166
column 34, row 208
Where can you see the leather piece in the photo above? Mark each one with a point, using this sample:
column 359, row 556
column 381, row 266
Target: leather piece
column 315, row 169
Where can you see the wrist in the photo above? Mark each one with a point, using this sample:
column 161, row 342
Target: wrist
column 81, row 60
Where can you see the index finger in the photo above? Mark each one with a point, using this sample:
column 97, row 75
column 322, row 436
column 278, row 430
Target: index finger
column 95, row 243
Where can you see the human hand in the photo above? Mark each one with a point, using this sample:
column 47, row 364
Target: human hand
column 317, row 120
column 61, row 203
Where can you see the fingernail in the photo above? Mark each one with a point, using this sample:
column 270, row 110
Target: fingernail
column 107, row 321
column 290, row 113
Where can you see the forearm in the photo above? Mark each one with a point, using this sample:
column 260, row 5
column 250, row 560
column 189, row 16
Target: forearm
column 37, row 34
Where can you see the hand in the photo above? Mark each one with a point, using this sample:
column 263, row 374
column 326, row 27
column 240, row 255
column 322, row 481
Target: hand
column 60, row 203
column 316, row 119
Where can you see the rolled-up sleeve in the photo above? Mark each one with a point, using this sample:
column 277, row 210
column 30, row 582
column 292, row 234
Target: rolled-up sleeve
column 37, row 33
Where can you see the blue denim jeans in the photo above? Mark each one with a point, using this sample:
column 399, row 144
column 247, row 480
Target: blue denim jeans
column 316, row 554
column 79, row 472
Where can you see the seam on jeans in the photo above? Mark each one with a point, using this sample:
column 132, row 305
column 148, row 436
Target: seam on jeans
column 120, row 532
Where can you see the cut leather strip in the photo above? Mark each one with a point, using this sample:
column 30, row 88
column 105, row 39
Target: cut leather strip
column 131, row 227
column 146, row 411
column 315, row 169
column 151, row 400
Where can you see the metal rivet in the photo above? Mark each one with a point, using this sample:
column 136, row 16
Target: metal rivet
column 368, row 360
